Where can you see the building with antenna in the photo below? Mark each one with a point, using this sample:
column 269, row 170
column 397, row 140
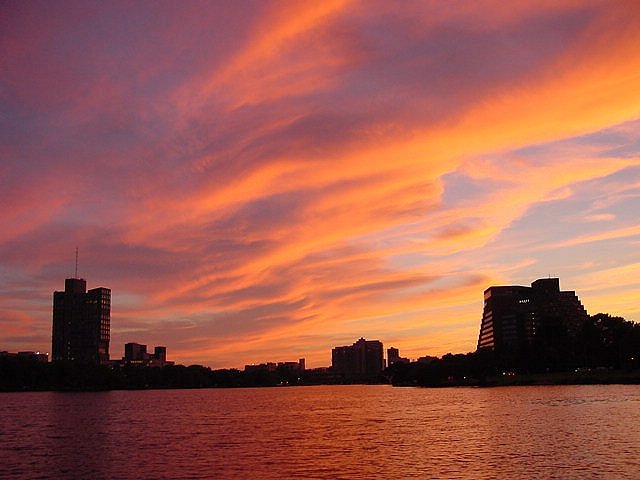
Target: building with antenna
column 81, row 322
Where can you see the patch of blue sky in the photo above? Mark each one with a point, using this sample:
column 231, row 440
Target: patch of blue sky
column 622, row 140
column 460, row 189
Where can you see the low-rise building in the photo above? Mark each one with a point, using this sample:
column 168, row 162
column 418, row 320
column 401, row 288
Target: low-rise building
column 136, row 354
column 37, row 356
column 298, row 366
column 393, row 356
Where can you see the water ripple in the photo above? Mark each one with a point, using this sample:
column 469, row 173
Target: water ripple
column 351, row 432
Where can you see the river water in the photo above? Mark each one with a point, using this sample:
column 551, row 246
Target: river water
column 350, row 432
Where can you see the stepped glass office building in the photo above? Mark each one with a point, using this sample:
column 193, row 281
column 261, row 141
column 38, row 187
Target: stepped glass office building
column 516, row 317
column 81, row 323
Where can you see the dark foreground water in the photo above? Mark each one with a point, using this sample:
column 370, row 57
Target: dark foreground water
column 351, row 432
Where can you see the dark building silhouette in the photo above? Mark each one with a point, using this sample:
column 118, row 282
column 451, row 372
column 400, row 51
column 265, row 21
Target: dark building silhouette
column 393, row 356
column 160, row 353
column 427, row 359
column 81, row 323
column 298, row 366
column 362, row 359
column 518, row 320
column 37, row 356
column 136, row 353
column 259, row 367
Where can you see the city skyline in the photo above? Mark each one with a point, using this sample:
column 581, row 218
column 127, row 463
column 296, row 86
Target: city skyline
column 275, row 179
column 87, row 314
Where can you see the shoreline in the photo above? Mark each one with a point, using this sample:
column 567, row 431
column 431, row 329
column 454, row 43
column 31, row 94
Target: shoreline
column 539, row 379
column 523, row 380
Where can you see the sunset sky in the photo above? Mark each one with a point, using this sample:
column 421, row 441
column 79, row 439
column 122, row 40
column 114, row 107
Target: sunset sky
column 261, row 181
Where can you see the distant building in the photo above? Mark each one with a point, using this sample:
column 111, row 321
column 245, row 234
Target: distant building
column 136, row 354
column 393, row 356
column 362, row 359
column 427, row 359
column 293, row 366
column 516, row 319
column 267, row 367
column 298, row 366
column 160, row 353
column 40, row 357
column 81, row 323
column 37, row 356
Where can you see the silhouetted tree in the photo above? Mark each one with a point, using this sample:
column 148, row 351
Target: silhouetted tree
column 610, row 342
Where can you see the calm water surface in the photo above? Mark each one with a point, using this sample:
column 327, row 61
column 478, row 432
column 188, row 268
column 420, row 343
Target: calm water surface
column 351, row 432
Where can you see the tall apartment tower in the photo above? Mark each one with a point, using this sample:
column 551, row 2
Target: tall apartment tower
column 81, row 323
column 515, row 318
column 362, row 359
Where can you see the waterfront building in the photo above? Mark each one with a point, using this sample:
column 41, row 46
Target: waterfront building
column 37, row 356
column 136, row 354
column 160, row 353
column 518, row 319
column 81, row 323
column 298, row 366
column 292, row 366
column 259, row 367
column 393, row 356
column 362, row 359
column 427, row 359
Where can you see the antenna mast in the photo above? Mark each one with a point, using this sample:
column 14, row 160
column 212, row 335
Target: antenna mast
column 76, row 276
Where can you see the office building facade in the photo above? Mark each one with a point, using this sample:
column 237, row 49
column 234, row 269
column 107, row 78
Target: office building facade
column 517, row 319
column 81, row 323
